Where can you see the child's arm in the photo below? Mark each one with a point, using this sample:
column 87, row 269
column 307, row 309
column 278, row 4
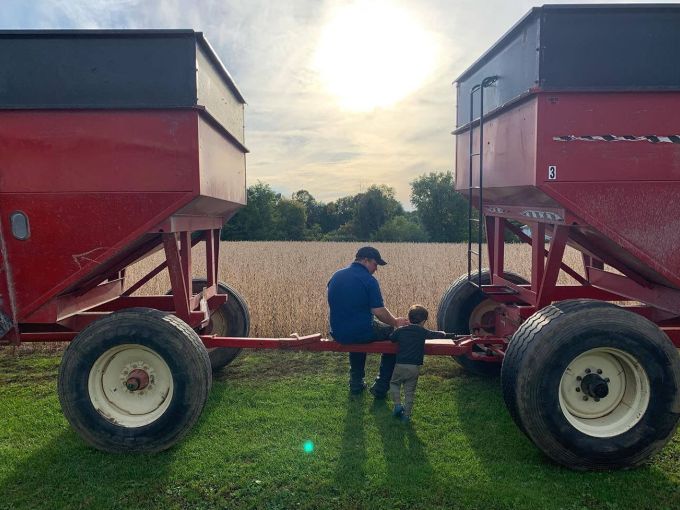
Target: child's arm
column 434, row 334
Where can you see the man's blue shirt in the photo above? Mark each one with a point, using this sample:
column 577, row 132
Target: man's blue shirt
column 352, row 292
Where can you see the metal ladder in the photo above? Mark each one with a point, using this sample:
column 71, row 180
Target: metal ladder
column 486, row 82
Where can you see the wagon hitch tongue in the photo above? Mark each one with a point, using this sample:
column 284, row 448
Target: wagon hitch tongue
column 137, row 380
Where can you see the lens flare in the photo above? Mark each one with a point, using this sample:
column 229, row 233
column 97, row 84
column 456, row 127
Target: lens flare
column 308, row 446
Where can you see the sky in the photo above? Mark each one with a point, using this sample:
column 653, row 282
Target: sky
column 341, row 94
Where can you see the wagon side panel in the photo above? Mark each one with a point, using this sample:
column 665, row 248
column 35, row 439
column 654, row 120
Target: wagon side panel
column 90, row 184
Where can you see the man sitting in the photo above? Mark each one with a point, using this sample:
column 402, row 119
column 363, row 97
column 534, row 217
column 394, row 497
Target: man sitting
column 358, row 315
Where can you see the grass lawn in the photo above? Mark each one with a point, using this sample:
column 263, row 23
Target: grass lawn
column 461, row 451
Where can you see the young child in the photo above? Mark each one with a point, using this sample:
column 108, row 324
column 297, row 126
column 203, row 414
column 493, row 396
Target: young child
column 411, row 340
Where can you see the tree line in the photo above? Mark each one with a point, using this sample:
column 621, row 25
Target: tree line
column 440, row 215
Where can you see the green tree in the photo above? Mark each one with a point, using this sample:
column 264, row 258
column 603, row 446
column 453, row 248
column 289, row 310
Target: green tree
column 375, row 207
column 335, row 214
column 442, row 212
column 255, row 221
column 342, row 233
column 400, row 229
column 313, row 209
column 290, row 220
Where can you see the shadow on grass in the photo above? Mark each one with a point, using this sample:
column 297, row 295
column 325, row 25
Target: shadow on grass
column 65, row 473
column 529, row 477
column 405, row 454
column 351, row 468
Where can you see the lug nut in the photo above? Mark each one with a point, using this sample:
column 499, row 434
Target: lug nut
column 585, row 398
column 597, row 399
column 606, row 379
column 587, row 370
column 599, row 370
column 579, row 378
column 578, row 389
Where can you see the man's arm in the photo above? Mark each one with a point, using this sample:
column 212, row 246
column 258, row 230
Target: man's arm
column 384, row 315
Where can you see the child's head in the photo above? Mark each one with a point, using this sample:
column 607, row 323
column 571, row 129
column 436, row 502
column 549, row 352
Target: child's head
column 417, row 314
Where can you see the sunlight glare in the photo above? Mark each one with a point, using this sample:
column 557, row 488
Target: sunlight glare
column 373, row 54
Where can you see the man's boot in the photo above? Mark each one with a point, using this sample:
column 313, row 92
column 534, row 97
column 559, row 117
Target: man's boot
column 357, row 387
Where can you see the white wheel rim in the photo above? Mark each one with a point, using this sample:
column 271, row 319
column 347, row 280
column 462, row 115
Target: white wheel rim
column 218, row 322
column 627, row 392
column 475, row 321
column 111, row 397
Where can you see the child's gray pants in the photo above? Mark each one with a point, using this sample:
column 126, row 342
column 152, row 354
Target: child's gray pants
column 406, row 375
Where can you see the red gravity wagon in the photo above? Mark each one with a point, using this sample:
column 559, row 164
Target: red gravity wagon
column 570, row 126
column 114, row 145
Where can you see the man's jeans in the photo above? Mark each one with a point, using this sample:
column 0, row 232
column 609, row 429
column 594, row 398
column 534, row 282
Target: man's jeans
column 357, row 361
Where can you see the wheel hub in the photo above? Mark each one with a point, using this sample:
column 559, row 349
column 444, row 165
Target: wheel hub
column 482, row 320
column 595, row 386
column 137, row 380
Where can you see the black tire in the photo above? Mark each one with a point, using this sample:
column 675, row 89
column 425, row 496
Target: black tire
column 545, row 360
column 230, row 319
column 454, row 311
column 92, row 382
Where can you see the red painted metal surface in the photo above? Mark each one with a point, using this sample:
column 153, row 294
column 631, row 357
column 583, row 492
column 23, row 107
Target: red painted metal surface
column 625, row 190
column 137, row 380
column 459, row 347
column 612, row 194
column 99, row 189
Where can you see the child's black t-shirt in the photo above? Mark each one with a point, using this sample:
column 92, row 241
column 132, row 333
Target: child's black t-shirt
column 411, row 340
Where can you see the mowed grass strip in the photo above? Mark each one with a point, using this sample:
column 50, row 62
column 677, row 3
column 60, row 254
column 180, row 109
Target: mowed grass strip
column 247, row 451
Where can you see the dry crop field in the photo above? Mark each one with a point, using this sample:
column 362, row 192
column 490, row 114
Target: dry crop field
column 284, row 283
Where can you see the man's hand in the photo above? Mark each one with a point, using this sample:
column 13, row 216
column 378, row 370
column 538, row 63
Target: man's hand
column 384, row 315
column 401, row 322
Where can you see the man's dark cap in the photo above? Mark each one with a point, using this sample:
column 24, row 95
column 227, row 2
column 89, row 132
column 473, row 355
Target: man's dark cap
column 368, row 252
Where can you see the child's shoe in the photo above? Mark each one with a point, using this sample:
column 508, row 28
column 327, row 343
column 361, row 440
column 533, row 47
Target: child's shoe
column 398, row 411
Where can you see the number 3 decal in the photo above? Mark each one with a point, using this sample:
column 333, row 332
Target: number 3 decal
column 552, row 172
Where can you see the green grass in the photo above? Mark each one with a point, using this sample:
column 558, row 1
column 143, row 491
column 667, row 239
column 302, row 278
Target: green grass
column 461, row 451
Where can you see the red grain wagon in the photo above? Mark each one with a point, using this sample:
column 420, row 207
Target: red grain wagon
column 114, row 145
column 569, row 125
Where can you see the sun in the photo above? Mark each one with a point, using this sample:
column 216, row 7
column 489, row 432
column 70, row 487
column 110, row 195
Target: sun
column 372, row 54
